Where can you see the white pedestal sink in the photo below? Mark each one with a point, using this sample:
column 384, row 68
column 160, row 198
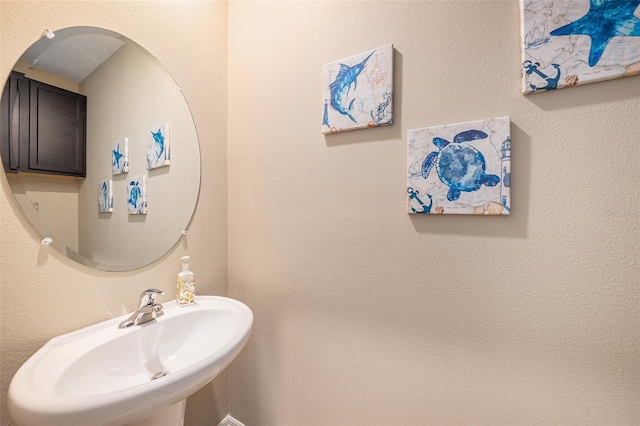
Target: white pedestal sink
column 142, row 375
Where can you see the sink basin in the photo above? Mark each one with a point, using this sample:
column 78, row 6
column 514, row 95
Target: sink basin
column 109, row 376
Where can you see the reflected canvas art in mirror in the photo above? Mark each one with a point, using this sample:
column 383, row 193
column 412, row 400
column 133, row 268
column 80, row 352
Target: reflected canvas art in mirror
column 567, row 43
column 158, row 147
column 105, row 196
column 137, row 195
column 358, row 91
column 120, row 156
column 115, row 74
column 460, row 168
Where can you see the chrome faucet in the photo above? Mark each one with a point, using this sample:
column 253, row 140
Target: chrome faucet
column 147, row 311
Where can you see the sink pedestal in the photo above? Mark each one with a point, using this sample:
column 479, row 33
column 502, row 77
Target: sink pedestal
column 173, row 415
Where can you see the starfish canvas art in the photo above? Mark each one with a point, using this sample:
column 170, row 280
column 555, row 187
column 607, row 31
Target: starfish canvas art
column 567, row 43
column 120, row 156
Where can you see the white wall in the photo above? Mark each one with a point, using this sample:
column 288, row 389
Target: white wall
column 43, row 294
column 365, row 315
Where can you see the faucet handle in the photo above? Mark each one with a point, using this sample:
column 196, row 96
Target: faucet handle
column 148, row 297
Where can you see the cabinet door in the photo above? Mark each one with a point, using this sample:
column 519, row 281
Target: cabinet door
column 57, row 130
column 14, row 123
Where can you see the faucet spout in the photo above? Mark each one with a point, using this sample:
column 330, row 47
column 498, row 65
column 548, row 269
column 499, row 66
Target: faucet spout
column 148, row 309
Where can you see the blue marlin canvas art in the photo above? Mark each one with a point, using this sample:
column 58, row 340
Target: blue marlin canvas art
column 158, row 147
column 462, row 168
column 137, row 195
column 567, row 43
column 120, row 156
column 358, row 91
column 105, row 196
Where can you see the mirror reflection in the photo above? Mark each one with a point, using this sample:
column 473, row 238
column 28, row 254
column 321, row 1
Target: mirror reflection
column 107, row 216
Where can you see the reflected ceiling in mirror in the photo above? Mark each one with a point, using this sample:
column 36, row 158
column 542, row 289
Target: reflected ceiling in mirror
column 129, row 95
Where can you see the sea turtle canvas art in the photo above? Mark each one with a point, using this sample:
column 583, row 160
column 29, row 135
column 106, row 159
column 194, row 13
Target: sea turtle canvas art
column 358, row 91
column 137, row 195
column 567, row 43
column 462, row 168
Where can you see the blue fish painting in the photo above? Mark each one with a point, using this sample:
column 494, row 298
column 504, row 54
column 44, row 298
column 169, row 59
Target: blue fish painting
column 158, row 138
column 566, row 43
column 347, row 77
column 359, row 91
column 462, row 168
column 158, row 147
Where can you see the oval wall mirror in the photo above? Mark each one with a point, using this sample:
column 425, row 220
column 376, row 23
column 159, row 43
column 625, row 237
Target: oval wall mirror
column 114, row 218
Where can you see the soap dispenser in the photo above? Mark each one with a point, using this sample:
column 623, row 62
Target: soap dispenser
column 186, row 286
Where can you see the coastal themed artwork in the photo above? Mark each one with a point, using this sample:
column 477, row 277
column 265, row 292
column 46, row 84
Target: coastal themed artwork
column 120, row 156
column 358, row 91
column 158, row 147
column 105, row 196
column 567, row 43
column 460, row 168
column 137, row 195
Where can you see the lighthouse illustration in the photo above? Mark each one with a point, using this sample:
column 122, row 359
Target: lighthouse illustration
column 505, row 160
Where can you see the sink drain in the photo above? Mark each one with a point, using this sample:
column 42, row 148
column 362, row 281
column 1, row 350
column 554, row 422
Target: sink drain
column 159, row 375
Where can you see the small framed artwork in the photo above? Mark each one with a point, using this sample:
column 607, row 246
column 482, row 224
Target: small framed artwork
column 137, row 195
column 462, row 168
column 158, row 147
column 358, row 91
column 105, row 196
column 567, row 43
column 120, row 156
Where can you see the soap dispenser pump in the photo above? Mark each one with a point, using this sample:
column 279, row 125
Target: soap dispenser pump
column 186, row 285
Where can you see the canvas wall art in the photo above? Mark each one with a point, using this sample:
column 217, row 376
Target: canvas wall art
column 158, row 147
column 358, row 91
column 105, row 196
column 567, row 43
column 460, row 168
column 137, row 195
column 120, row 156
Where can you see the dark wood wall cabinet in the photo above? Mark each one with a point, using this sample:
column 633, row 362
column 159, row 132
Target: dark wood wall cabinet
column 42, row 128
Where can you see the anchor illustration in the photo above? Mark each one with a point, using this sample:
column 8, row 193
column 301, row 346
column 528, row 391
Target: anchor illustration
column 552, row 82
column 413, row 195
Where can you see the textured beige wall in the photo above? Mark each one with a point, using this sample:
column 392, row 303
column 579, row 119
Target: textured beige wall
column 45, row 294
column 365, row 315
